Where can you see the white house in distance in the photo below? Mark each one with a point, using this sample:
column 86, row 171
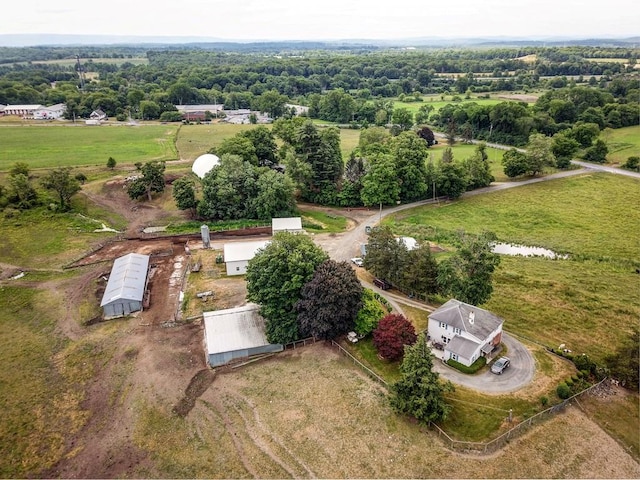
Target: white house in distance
column 466, row 331
column 288, row 224
column 238, row 254
column 235, row 333
column 53, row 112
column 127, row 283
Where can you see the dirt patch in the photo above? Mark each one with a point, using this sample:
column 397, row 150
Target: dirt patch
column 197, row 386
column 520, row 97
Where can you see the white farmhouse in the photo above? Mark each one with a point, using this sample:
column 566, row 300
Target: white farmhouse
column 238, row 254
column 466, row 331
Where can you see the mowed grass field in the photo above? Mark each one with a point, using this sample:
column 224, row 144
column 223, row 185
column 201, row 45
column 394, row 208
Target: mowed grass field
column 79, row 145
column 589, row 301
column 622, row 143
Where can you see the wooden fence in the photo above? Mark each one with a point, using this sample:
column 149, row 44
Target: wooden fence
column 481, row 448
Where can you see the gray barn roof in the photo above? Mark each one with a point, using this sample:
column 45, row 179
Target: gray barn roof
column 234, row 329
column 127, row 279
column 462, row 346
column 468, row 318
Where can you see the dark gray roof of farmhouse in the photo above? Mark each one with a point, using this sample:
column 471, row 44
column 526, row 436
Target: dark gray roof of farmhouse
column 468, row 318
column 462, row 346
column 127, row 279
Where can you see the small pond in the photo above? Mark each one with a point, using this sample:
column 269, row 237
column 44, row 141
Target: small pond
column 509, row 249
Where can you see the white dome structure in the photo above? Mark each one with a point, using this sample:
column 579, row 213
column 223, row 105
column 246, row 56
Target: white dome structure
column 204, row 164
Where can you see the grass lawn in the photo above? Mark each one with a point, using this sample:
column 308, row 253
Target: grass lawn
column 53, row 146
column 39, row 238
column 623, row 143
column 43, row 380
column 320, row 222
column 580, row 301
column 195, row 140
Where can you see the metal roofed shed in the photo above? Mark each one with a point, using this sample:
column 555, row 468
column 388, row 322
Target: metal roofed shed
column 238, row 254
column 235, row 333
column 126, row 286
column 288, row 224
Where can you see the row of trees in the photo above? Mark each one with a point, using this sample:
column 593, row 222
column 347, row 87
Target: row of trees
column 302, row 293
column 465, row 275
column 21, row 193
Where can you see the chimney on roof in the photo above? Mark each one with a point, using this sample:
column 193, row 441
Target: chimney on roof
column 472, row 317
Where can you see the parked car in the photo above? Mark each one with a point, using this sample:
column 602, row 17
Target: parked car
column 500, row 365
column 381, row 283
column 358, row 261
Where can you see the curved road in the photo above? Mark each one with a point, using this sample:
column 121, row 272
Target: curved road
column 347, row 245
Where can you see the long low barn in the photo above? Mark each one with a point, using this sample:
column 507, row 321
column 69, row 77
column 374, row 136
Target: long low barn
column 126, row 286
column 235, row 333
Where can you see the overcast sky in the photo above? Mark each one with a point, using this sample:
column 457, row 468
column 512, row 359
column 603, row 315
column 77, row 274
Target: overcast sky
column 324, row 19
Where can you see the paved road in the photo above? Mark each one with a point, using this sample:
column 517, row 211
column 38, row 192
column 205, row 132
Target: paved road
column 518, row 375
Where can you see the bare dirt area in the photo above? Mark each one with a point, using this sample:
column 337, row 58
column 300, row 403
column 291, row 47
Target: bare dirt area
column 112, row 195
column 154, row 409
column 520, row 97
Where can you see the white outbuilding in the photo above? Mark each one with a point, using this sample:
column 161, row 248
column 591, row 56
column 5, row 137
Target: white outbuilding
column 235, row 333
column 126, row 286
column 238, row 254
column 288, row 224
column 204, row 164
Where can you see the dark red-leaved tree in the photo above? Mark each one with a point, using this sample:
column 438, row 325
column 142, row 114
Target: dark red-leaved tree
column 393, row 332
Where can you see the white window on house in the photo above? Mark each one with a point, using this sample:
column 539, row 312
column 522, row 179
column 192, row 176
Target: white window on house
column 443, row 325
column 237, row 269
column 456, row 331
column 453, row 356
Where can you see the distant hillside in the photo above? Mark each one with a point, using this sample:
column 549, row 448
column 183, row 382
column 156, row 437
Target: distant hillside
column 24, row 40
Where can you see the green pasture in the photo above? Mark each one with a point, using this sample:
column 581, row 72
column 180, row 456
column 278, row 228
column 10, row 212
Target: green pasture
column 579, row 301
column 195, row 140
column 437, row 102
column 39, row 238
column 622, row 143
column 52, row 146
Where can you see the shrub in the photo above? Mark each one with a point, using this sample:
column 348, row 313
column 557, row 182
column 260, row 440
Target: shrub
column 568, row 382
column 370, row 314
column 563, row 391
column 392, row 334
column 470, row 370
column 544, row 401
column 632, row 163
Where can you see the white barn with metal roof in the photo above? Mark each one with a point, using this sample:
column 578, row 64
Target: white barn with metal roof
column 127, row 283
column 235, row 333
column 288, row 224
column 238, row 254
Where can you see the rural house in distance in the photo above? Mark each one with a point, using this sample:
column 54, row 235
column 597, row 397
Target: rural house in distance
column 466, row 331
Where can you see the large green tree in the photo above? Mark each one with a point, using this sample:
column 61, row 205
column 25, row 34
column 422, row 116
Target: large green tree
column 380, row 184
column 468, row 274
column 61, row 182
column 539, row 153
column 478, row 170
column 151, row 180
column 419, row 392
column 274, row 196
column 386, row 256
column 330, row 301
column 275, row 278
column 184, row 194
column 410, row 154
